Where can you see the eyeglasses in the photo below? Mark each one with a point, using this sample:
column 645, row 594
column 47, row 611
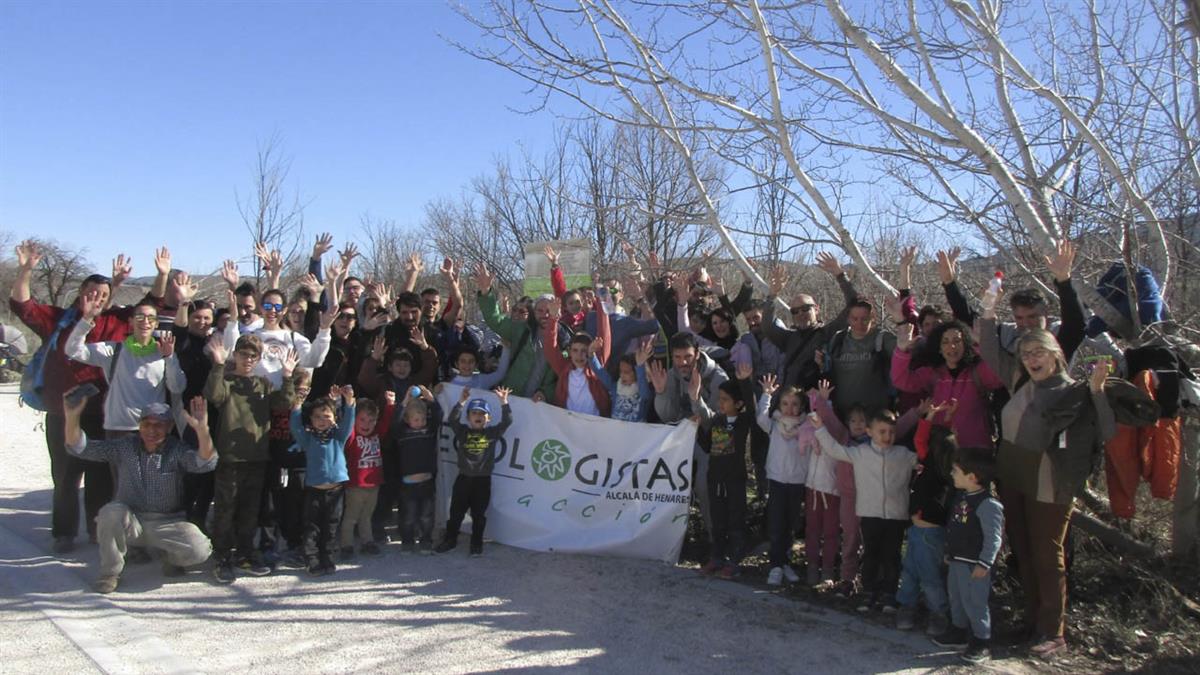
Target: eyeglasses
column 348, row 316
column 802, row 308
column 145, row 318
column 1035, row 354
column 268, row 306
column 249, row 356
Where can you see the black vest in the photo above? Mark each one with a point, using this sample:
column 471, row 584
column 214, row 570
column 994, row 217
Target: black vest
column 964, row 533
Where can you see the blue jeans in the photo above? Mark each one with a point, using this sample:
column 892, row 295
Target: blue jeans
column 969, row 600
column 921, row 571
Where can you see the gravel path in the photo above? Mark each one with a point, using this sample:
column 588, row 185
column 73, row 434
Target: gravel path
column 509, row 610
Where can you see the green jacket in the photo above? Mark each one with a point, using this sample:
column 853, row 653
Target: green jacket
column 245, row 405
column 526, row 355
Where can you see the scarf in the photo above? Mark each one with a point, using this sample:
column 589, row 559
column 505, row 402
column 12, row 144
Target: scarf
column 134, row 348
column 627, row 390
column 790, row 426
column 322, row 436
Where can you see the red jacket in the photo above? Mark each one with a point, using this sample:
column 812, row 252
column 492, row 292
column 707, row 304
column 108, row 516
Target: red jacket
column 559, row 283
column 364, row 454
column 562, row 366
column 60, row 373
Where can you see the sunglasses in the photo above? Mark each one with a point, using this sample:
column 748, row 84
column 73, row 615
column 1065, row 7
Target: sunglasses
column 801, row 308
column 267, row 306
column 350, row 316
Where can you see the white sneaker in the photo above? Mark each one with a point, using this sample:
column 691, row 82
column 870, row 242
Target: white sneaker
column 775, row 576
column 790, row 574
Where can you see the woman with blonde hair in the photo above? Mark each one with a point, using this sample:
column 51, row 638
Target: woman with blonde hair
column 1052, row 436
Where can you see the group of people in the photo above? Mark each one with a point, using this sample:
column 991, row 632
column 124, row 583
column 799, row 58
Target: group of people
column 308, row 421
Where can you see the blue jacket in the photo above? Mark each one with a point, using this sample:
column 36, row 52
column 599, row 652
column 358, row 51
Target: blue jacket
column 325, row 460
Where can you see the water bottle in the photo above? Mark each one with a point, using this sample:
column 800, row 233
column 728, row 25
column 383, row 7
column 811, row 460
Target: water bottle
column 993, row 291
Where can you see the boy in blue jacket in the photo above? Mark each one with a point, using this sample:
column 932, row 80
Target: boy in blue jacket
column 323, row 441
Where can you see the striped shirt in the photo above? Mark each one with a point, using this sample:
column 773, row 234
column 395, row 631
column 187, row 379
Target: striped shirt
column 147, row 482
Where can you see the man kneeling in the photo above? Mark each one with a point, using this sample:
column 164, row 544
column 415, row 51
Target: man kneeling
column 147, row 510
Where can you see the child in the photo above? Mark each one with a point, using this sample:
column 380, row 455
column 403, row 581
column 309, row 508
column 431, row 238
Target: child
column 725, row 436
column 792, row 442
column 631, row 394
column 324, row 444
column 466, row 373
column 245, row 402
column 414, row 464
column 854, row 432
column 921, row 570
column 285, row 482
column 579, row 388
column 364, row 464
column 973, row 531
column 882, row 471
column 475, row 443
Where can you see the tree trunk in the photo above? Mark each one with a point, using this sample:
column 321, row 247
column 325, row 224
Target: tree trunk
column 1185, row 515
column 1111, row 536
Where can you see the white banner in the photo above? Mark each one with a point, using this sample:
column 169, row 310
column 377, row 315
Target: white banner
column 581, row 484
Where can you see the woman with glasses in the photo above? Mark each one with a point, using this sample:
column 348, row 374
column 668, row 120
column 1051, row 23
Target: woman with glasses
column 278, row 336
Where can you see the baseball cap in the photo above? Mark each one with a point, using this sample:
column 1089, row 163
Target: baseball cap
column 157, row 411
column 480, row 405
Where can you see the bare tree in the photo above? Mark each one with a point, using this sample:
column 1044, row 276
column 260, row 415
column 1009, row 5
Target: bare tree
column 272, row 216
column 386, row 247
column 60, row 270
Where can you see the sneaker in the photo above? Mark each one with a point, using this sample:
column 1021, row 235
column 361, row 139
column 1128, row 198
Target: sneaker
column 347, row 553
column 812, row 576
column 170, row 570
column 223, row 572
column 728, row 572
column 446, row 546
column 371, row 548
column 408, row 547
column 315, row 568
column 271, row 557
column 105, row 584
column 866, row 602
column 1048, row 648
column 293, row 558
column 953, row 638
column 137, row 556
column 476, row 549
column 938, row 624
column 775, row 576
column 977, row 651
column 789, row 574
column 254, row 565
column 64, row 545
column 905, row 618
column 327, row 566
column 887, row 603
column 710, row 567
column 827, row 577
column 426, row 547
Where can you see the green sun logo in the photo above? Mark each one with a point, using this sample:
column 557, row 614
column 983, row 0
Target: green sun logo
column 550, row 459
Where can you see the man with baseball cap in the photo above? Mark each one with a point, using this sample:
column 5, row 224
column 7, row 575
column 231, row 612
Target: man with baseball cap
column 147, row 510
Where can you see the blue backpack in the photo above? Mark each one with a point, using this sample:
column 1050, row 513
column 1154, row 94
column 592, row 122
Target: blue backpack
column 33, row 377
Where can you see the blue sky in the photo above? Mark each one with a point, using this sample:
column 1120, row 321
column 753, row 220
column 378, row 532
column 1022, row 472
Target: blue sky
column 126, row 125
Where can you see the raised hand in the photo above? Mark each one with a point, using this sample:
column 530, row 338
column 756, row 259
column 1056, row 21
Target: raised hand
column 717, row 284
column 776, row 280
column 74, row 409
column 216, row 348
column 332, row 272
column 502, row 394
column 483, row 278
column 904, row 336
column 348, row 394
column 414, row 265
column 229, row 272
column 825, row 389
column 121, row 269
column 91, row 304
column 389, row 397
column 329, row 316
column 312, row 286
column 644, row 352
column 829, row 264
column 948, row 264
column 1060, row 265
column 335, row 392
column 1100, row 370
column 744, row 371
column 196, row 414
column 768, row 384
column 658, row 376
column 348, row 254
column 376, row 320
column 551, row 255
column 931, row 411
column 162, row 260
column 28, row 254
column 290, row 360
column 378, row 348
column 629, row 251
column 166, row 345
column 465, row 395
column 183, row 289
column 323, row 245
column 908, row 256
column 597, row 346
column 447, row 269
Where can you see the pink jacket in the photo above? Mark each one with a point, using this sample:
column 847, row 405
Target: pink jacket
column 972, row 420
